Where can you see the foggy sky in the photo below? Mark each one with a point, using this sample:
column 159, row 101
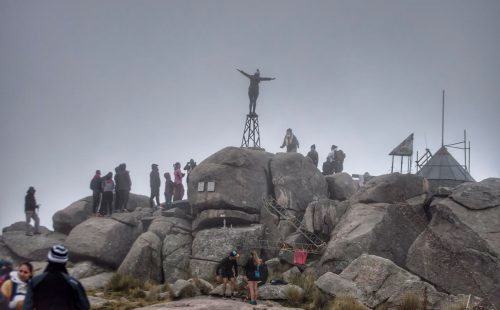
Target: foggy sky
column 90, row 84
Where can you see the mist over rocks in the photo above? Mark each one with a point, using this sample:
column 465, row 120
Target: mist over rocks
column 391, row 228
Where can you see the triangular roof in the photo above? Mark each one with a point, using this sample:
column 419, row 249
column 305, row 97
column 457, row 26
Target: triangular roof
column 442, row 166
column 405, row 148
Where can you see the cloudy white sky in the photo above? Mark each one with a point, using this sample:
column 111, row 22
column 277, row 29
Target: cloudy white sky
column 87, row 85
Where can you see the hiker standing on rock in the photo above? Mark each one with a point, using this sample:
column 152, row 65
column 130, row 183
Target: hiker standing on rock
column 154, row 183
column 123, row 185
column 96, row 187
column 290, row 141
column 313, row 155
column 169, row 189
column 30, row 209
column 227, row 269
column 178, row 187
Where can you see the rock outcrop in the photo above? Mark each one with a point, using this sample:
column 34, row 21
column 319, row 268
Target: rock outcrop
column 143, row 261
column 341, row 186
column 379, row 229
column 390, row 188
column 105, row 241
column 211, row 245
column 460, row 249
column 31, row 248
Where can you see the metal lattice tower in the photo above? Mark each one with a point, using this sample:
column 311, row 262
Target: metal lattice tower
column 251, row 132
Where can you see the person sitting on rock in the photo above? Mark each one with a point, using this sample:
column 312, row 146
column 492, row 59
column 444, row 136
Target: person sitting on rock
column 16, row 287
column 313, row 155
column 290, row 141
column 227, row 269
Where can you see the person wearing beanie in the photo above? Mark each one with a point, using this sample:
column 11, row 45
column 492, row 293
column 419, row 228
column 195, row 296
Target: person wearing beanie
column 55, row 288
column 30, row 208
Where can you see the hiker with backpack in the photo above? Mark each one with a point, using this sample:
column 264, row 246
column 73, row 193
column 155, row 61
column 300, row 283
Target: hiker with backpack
column 338, row 161
column 14, row 289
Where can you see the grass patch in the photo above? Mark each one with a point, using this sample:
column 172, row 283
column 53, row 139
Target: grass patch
column 294, row 296
column 410, row 302
column 347, row 303
column 313, row 297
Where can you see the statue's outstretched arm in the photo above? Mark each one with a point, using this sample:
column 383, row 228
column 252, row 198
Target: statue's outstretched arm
column 267, row 79
column 244, row 73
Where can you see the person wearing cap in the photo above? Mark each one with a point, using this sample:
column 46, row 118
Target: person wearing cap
column 313, row 155
column 228, row 270
column 154, row 183
column 290, row 141
column 55, row 288
column 96, row 187
column 30, row 208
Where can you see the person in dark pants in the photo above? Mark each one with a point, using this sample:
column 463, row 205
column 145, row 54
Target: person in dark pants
column 227, row 269
column 55, row 288
column 108, row 186
column 96, row 187
column 169, row 189
column 313, row 155
column 253, row 275
column 30, row 208
column 154, row 184
column 290, row 141
column 123, row 184
column 253, row 89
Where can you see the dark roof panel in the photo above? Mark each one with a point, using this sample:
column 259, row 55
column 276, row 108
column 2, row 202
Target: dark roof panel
column 442, row 166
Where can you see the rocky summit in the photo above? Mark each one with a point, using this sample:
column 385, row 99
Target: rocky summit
column 377, row 243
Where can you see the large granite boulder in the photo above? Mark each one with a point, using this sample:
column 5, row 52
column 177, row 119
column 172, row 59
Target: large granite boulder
column 215, row 218
column 391, row 188
column 296, row 181
column 163, row 226
column 460, row 249
column 183, row 288
column 21, row 226
column 211, row 245
column 31, row 248
column 66, row 219
column 379, row 229
column 96, row 281
column 241, row 179
column 478, row 196
column 105, row 241
column 375, row 280
column 143, row 261
column 85, row 269
column 175, row 256
column 341, row 186
column 322, row 216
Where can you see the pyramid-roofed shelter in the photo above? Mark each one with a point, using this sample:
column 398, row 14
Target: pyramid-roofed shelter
column 442, row 169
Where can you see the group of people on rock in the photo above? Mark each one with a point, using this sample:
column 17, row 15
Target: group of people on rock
column 255, row 272
column 52, row 289
column 107, row 187
column 334, row 161
column 104, row 189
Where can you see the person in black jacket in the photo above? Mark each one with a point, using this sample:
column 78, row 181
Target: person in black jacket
column 313, row 155
column 30, row 208
column 123, row 184
column 55, row 288
column 253, row 89
column 228, row 270
column 96, row 187
column 253, row 270
column 154, row 183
